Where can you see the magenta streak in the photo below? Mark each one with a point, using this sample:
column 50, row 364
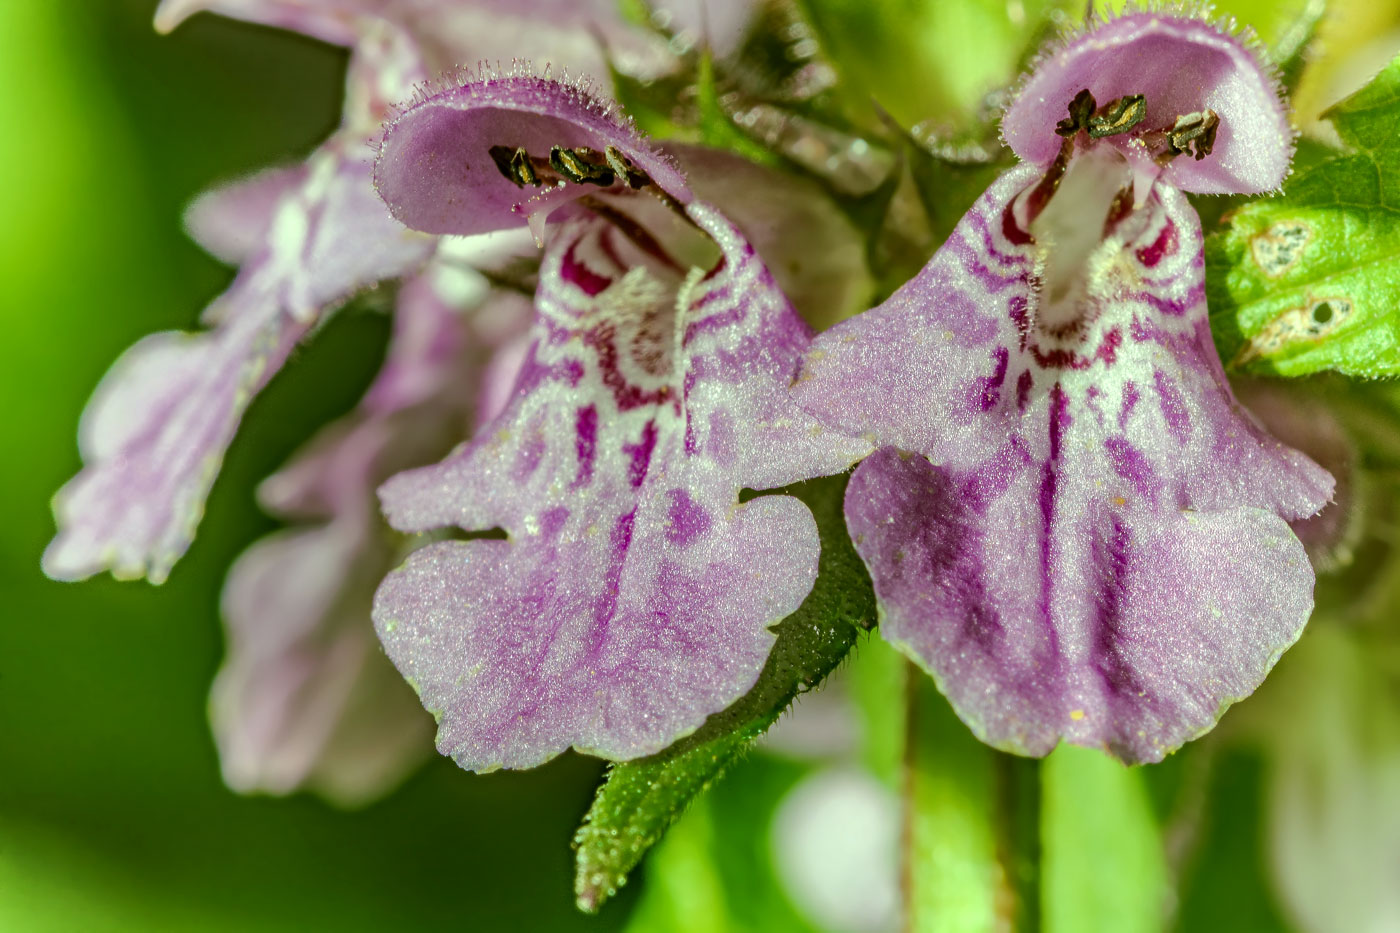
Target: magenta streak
column 1163, row 246
column 626, row 395
column 1059, row 359
column 1108, row 347
column 1130, row 399
column 555, row 334
column 1173, row 406
column 573, row 271
column 533, row 374
column 991, row 385
column 1168, row 306
column 605, row 607
column 713, row 295
column 1130, row 464
column 585, row 443
column 552, row 521
column 1049, row 486
column 717, row 321
column 989, row 242
column 1144, row 330
column 1109, row 606
column 640, row 454
column 993, row 477
column 972, row 263
column 686, row 519
column 1023, row 389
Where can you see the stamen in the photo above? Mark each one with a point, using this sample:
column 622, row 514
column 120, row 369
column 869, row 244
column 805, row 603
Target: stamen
column 629, row 173
column 1193, row 133
column 581, row 166
column 1120, row 208
column 1081, row 110
column 1117, row 116
column 524, row 170
column 578, row 166
column 1042, row 193
column 514, row 165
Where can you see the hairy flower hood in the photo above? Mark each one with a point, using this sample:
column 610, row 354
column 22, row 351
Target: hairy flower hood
column 1180, row 66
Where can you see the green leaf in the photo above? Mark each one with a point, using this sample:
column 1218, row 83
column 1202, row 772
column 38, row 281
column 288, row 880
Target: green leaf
column 1310, row 281
column 948, row 188
column 640, row 799
column 714, row 872
column 1104, row 866
column 715, row 127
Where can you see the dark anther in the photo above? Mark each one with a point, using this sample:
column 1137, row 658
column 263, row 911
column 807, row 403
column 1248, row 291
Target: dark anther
column 1193, row 133
column 1117, row 116
column 625, row 169
column 501, row 155
column 581, row 166
column 1081, row 109
column 515, row 165
column 523, row 168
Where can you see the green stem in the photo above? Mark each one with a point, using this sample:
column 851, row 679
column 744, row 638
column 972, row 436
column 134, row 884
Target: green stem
column 971, row 829
column 1018, row 839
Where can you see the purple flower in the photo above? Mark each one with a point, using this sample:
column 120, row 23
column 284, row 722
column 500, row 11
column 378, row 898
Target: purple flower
column 633, row 593
column 307, row 237
column 1072, row 525
column 576, row 35
column 306, row 698
column 155, row 432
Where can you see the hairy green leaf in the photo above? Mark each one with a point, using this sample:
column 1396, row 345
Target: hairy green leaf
column 715, row 871
column 1310, row 281
column 640, row 799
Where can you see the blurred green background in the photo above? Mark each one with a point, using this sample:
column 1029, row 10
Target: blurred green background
column 112, row 812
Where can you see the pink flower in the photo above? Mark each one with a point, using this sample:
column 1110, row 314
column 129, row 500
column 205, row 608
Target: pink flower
column 1072, row 525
